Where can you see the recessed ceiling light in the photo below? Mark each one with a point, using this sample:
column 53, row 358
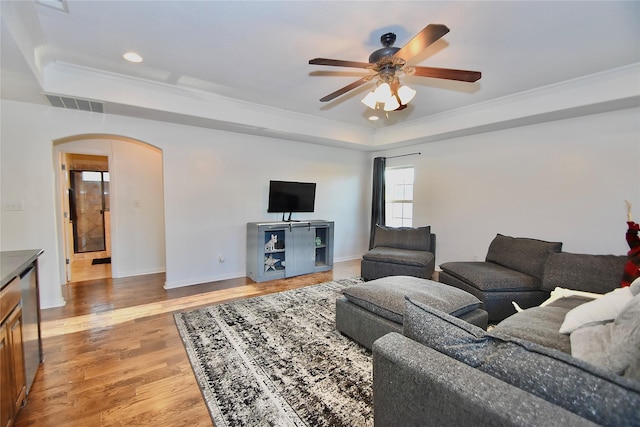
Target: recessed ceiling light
column 132, row 57
column 374, row 118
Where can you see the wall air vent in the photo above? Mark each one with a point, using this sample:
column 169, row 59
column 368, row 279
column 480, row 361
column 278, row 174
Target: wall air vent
column 75, row 103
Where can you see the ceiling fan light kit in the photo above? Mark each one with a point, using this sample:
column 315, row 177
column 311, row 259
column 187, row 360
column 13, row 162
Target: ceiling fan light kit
column 392, row 99
column 391, row 105
column 390, row 94
column 370, row 100
column 406, row 94
column 383, row 92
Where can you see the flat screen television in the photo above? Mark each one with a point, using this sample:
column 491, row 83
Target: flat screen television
column 288, row 196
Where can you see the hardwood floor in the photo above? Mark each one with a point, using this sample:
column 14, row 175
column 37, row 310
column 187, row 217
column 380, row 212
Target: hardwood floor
column 83, row 269
column 113, row 355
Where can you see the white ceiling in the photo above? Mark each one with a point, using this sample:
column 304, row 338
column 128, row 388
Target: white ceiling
column 243, row 66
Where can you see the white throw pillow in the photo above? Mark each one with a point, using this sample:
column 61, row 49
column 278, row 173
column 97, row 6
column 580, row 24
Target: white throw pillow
column 615, row 345
column 601, row 310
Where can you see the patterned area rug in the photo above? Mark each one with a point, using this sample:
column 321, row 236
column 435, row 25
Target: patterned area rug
column 277, row 360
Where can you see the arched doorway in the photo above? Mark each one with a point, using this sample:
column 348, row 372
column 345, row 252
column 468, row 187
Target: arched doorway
column 125, row 230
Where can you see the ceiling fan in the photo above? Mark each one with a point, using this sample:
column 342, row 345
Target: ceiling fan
column 389, row 60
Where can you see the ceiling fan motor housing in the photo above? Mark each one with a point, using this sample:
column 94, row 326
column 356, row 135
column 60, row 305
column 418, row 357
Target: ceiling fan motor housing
column 387, row 73
column 387, row 40
column 381, row 53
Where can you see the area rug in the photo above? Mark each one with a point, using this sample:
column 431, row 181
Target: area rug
column 277, row 360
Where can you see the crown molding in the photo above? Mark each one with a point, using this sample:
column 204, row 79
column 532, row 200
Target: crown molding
column 613, row 89
column 161, row 101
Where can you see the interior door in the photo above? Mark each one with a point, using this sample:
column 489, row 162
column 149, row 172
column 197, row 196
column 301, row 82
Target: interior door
column 87, row 207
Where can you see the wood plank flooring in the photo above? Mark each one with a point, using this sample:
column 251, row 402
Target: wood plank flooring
column 82, row 269
column 113, row 355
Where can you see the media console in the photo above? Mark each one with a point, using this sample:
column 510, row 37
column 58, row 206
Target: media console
column 276, row 250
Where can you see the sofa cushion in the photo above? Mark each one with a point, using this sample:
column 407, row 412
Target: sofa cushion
column 488, row 276
column 521, row 253
column 385, row 296
column 569, row 302
column 416, row 239
column 560, row 293
column 602, row 310
column 615, row 345
column 399, row 256
column 582, row 388
column 584, row 272
column 539, row 325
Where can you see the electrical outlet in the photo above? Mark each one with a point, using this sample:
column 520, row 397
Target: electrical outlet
column 13, row 206
column 221, row 257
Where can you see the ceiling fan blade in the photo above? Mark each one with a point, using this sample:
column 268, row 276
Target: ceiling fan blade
column 448, row 73
column 339, row 63
column 344, row 90
column 424, row 38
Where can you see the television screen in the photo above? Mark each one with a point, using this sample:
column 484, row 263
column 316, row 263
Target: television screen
column 287, row 196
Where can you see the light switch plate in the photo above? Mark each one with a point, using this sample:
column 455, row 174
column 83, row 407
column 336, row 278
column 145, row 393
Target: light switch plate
column 13, row 206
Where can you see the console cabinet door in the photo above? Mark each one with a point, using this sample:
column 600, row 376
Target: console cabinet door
column 300, row 251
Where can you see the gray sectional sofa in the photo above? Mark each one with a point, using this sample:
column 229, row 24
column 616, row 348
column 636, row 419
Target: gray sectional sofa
column 444, row 371
column 511, row 272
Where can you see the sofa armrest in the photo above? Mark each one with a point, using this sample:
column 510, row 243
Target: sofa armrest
column 416, row 385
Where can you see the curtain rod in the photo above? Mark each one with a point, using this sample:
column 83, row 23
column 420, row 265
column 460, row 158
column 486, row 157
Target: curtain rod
column 404, row 155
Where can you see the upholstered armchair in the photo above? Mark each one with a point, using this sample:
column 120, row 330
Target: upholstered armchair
column 400, row 251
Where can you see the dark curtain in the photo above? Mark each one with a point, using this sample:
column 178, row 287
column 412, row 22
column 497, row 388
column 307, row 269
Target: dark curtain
column 377, row 202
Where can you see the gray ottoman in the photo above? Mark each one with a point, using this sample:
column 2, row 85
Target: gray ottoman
column 371, row 310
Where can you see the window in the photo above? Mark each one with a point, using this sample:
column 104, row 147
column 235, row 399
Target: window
column 399, row 196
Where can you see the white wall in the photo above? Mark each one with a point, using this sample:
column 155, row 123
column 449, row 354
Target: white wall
column 227, row 186
column 214, row 183
column 562, row 181
column 137, row 205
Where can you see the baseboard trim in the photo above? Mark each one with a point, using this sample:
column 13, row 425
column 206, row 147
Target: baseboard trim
column 123, row 274
column 199, row 281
